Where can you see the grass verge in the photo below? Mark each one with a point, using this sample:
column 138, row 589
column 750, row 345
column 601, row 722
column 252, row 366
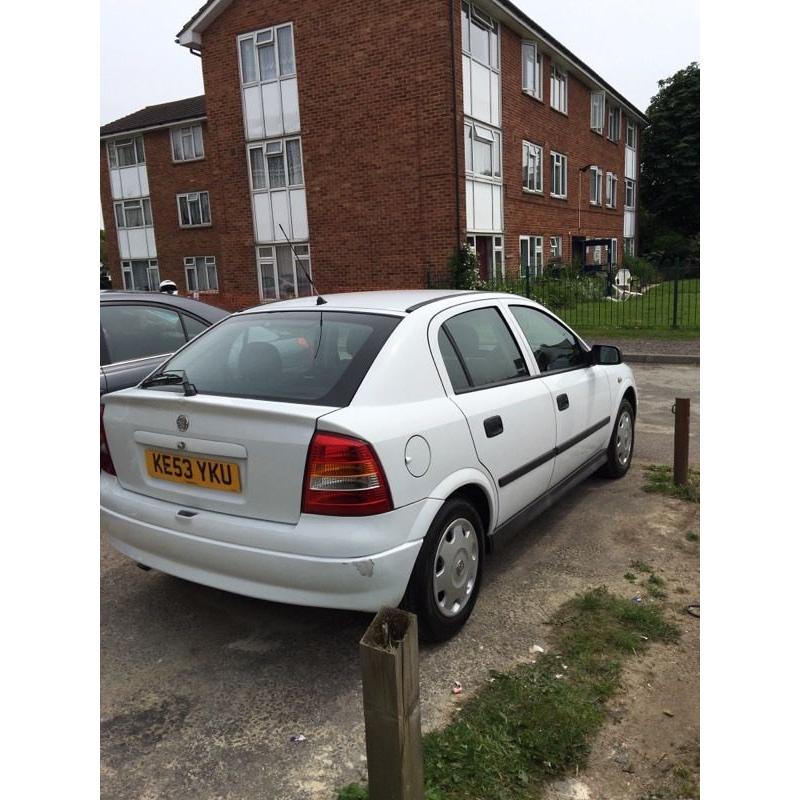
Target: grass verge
column 598, row 333
column 658, row 478
column 536, row 722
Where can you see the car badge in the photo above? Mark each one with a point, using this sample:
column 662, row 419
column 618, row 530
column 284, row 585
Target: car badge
column 183, row 423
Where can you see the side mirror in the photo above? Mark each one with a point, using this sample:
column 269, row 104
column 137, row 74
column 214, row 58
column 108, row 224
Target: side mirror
column 605, row 355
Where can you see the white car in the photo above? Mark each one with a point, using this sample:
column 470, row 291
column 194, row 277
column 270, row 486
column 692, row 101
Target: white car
column 379, row 468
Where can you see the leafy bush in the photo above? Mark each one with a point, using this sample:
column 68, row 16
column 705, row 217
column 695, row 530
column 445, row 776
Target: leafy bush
column 566, row 290
column 641, row 268
column 464, row 268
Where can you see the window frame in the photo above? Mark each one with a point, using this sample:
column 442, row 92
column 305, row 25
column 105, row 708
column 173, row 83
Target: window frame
column 127, row 268
column 527, row 153
column 535, row 245
column 611, row 189
column 630, row 184
column 179, row 131
column 615, row 129
column 495, row 150
column 561, row 76
column 191, row 263
column 596, row 186
column 631, row 134
column 536, row 89
column 597, row 111
column 563, row 162
column 271, row 262
column 113, row 144
column 560, row 247
column 274, row 41
column 284, row 152
column 487, row 23
column 189, row 196
column 145, row 209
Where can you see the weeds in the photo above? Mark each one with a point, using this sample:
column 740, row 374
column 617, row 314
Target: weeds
column 658, row 478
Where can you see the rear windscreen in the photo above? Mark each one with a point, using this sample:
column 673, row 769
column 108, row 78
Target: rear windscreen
column 316, row 357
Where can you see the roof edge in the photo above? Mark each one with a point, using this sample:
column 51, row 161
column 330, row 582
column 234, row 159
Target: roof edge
column 144, row 129
column 191, row 34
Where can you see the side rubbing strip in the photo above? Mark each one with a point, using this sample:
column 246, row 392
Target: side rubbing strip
column 550, row 454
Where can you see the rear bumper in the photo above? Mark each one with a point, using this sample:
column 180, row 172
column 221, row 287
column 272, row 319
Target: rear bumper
column 250, row 557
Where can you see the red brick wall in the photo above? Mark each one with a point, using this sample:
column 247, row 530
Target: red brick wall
column 527, row 119
column 376, row 111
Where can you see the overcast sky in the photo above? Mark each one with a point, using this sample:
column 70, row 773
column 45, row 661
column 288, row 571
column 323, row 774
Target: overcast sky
column 630, row 43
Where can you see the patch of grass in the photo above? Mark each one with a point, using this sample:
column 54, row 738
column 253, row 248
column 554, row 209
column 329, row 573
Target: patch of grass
column 681, row 783
column 630, row 576
column 598, row 333
column 691, row 536
column 640, row 566
column 658, row 478
column 655, row 586
column 536, row 722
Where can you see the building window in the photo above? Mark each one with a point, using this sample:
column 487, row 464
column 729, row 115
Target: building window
column 613, row 253
column 280, row 276
column 614, row 123
column 630, row 135
column 187, row 143
column 479, row 36
column 611, row 190
column 267, row 55
column 125, row 152
column 595, row 186
column 558, row 175
column 531, row 255
column 630, row 194
column 481, row 151
column 556, row 249
column 194, row 209
column 558, row 89
column 201, row 273
column 276, row 164
column 531, row 70
column 628, row 246
column 133, row 213
column 597, row 106
column 141, row 275
column 532, row 167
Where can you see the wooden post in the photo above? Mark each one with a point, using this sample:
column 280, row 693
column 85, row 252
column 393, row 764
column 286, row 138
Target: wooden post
column 390, row 679
column 680, row 466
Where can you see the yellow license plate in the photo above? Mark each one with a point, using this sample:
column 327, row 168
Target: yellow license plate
column 209, row 473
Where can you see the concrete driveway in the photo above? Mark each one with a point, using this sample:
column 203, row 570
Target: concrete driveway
column 202, row 690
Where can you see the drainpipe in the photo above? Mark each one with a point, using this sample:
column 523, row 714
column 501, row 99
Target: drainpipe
column 455, row 124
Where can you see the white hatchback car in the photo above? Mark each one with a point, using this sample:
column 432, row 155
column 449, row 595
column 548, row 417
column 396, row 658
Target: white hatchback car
column 362, row 450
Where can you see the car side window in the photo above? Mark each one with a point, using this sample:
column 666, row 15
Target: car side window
column 484, row 349
column 193, row 326
column 554, row 347
column 140, row 331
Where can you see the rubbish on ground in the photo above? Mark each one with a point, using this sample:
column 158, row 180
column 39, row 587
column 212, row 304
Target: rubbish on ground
column 536, row 649
column 693, row 610
column 636, row 599
column 559, row 675
column 457, row 688
column 298, row 737
column 668, row 713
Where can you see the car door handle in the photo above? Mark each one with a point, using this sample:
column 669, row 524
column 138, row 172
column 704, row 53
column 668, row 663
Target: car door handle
column 562, row 401
column 493, row 426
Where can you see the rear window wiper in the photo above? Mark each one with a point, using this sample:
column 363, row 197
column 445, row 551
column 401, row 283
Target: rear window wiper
column 170, row 377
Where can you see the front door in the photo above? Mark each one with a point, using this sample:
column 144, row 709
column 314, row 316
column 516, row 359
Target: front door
column 510, row 416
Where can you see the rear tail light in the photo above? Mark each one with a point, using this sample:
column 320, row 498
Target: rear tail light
column 344, row 478
column 106, row 464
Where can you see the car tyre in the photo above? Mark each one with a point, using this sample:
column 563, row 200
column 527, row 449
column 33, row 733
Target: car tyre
column 446, row 579
column 620, row 448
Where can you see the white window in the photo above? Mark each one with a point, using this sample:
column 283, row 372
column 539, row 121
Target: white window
column 267, row 55
column 597, row 255
column 187, row 143
column 630, row 194
column 611, row 190
column 614, row 123
column 628, row 246
column 558, row 89
column 532, row 167
column 281, row 271
column 276, row 164
column 141, row 275
column 482, row 151
column 125, row 152
column 556, row 249
column 531, row 256
column 193, row 209
column 479, row 36
column 133, row 213
column 630, row 135
column 531, row 70
column 558, row 174
column 201, row 273
column 613, row 253
column 595, row 186
column 597, row 105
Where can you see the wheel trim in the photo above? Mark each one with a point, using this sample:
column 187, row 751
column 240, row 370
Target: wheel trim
column 624, row 438
column 455, row 567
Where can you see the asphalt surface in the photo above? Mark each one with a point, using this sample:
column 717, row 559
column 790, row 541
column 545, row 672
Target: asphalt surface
column 201, row 691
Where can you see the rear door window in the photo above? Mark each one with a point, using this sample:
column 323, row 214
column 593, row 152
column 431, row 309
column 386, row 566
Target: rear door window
column 486, row 351
column 311, row 357
column 553, row 346
column 139, row 331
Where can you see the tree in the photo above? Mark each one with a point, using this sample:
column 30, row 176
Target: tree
column 105, row 277
column 670, row 175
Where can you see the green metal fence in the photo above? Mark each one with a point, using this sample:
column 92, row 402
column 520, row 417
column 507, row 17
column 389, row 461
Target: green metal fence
column 617, row 298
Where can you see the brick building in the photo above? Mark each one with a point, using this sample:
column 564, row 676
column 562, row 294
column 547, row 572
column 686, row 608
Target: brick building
column 378, row 142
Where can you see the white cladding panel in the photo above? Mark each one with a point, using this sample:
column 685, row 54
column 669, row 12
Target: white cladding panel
column 494, row 109
column 497, row 208
column 470, row 207
column 280, row 213
column 151, row 241
column 297, row 202
column 630, row 163
column 483, row 206
column 291, row 106
column 136, row 243
column 273, row 118
column 116, row 185
column 465, row 71
column 481, row 93
column 263, row 217
column 629, row 224
column 131, row 182
column 143, row 183
column 122, row 240
column 253, row 113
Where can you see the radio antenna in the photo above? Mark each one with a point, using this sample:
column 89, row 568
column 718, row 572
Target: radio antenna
column 320, row 299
